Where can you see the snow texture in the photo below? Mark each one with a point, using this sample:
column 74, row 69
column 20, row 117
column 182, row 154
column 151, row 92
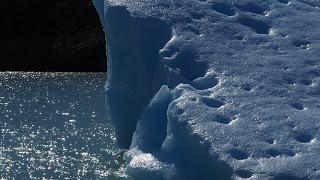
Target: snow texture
column 224, row 89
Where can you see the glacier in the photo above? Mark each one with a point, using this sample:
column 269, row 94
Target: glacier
column 212, row 89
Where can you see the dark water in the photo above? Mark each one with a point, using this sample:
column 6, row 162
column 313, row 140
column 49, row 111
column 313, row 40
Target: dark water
column 54, row 126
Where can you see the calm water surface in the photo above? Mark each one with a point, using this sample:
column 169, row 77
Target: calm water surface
column 54, row 126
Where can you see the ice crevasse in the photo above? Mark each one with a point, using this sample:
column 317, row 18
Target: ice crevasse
column 215, row 89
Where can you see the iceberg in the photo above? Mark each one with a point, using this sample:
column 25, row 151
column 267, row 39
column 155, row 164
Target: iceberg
column 218, row 89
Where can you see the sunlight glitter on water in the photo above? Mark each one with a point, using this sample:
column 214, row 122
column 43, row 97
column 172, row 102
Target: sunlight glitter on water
column 54, row 126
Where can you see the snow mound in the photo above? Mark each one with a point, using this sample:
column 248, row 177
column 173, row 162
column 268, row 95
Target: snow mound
column 215, row 89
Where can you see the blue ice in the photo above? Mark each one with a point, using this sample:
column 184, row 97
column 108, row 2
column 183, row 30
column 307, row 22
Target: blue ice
column 215, row 89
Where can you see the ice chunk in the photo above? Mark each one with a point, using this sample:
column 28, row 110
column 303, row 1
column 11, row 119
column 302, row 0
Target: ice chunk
column 146, row 166
column 244, row 87
column 152, row 127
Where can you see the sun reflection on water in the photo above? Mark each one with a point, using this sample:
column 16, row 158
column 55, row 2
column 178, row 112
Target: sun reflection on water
column 54, row 126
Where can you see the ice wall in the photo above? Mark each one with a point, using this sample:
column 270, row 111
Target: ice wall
column 215, row 89
column 135, row 73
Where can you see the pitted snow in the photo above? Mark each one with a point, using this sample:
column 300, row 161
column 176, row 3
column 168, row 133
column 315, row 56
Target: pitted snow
column 245, row 84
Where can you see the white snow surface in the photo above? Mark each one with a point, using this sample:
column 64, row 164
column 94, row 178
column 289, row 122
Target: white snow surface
column 217, row 89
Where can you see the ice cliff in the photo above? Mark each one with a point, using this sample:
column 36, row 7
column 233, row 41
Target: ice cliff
column 218, row 89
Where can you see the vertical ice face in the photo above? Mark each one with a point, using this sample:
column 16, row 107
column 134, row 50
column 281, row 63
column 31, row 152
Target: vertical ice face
column 150, row 139
column 135, row 73
column 242, row 87
column 101, row 6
